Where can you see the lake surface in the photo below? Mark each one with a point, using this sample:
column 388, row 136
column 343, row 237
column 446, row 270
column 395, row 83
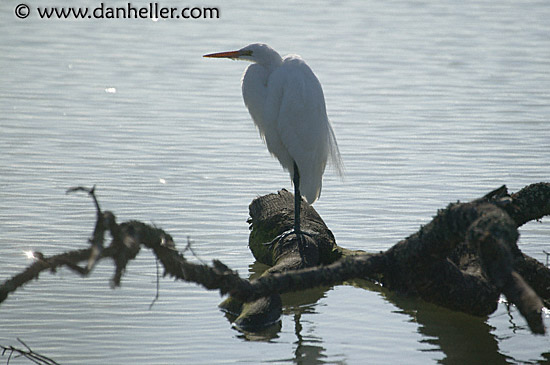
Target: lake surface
column 431, row 102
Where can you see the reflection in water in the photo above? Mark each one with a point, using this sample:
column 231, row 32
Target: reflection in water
column 309, row 349
column 265, row 335
column 462, row 338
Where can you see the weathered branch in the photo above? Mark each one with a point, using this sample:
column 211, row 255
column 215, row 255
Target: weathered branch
column 463, row 259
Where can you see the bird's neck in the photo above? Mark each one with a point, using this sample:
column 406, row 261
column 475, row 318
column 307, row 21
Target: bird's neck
column 272, row 63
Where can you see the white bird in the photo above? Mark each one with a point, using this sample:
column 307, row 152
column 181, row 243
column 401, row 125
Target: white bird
column 286, row 102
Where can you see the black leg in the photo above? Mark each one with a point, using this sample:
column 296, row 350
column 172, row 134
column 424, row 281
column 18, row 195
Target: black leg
column 297, row 199
column 297, row 207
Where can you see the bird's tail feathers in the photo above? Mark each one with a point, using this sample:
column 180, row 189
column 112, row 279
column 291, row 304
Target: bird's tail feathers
column 335, row 158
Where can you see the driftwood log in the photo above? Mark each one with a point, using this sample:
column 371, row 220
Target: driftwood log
column 463, row 259
column 271, row 215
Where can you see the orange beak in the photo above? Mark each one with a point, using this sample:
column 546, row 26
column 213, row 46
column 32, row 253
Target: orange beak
column 230, row 54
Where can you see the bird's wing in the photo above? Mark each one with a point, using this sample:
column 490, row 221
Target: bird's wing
column 295, row 105
column 254, row 89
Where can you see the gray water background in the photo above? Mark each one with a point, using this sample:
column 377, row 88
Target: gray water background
column 431, row 102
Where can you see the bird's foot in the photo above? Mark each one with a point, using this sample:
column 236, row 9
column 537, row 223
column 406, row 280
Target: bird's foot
column 285, row 234
column 302, row 243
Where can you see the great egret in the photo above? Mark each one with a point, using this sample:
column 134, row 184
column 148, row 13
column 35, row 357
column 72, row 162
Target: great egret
column 286, row 102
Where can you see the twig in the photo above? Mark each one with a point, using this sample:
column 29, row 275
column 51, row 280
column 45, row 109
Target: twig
column 97, row 239
column 190, row 248
column 158, row 285
column 90, row 192
column 28, row 354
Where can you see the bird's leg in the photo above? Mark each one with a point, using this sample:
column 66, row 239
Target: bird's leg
column 297, row 207
column 297, row 199
column 296, row 230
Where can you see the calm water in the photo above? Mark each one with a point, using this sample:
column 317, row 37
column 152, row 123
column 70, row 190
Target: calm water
column 432, row 102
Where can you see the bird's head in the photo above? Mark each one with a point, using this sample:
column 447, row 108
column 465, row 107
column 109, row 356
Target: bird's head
column 256, row 52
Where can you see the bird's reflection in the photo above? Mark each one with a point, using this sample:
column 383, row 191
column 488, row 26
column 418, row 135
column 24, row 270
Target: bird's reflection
column 309, row 348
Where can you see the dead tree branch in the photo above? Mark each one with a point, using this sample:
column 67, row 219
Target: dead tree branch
column 463, row 259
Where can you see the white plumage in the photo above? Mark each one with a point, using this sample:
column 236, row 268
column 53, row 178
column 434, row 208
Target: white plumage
column 287, row 104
